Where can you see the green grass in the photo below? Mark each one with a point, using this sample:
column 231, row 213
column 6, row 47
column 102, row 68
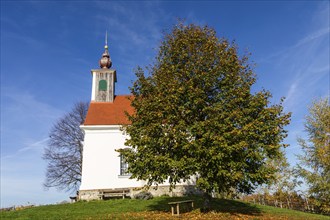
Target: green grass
column 146, row 209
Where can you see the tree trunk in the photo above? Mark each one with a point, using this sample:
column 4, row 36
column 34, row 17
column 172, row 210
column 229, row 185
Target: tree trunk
column 207, row 202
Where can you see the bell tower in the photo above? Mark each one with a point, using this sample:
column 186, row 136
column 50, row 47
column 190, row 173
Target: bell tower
column 104, row 79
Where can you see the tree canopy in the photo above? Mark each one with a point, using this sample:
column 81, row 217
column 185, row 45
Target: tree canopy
column 64, row 151
column 314, row 164
column 196, row 116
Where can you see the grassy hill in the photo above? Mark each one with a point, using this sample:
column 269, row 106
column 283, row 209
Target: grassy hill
column 156, row 208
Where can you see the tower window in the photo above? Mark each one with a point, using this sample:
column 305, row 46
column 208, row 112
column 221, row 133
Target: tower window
column 102, row 85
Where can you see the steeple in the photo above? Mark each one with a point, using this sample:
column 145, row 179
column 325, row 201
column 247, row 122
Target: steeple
column 105, row 61
column 103, row 86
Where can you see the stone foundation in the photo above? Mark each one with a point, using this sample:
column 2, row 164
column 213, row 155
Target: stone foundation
column 89, row 195
column 180, row 190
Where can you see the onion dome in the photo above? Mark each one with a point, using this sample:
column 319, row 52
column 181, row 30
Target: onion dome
column 105, row 61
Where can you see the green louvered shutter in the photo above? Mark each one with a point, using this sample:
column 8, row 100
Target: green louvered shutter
column 102, row 85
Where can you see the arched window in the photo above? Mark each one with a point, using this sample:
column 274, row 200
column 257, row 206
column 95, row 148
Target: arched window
column 102, row 85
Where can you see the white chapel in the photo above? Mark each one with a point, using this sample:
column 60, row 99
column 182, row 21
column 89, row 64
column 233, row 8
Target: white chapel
column 104, row 171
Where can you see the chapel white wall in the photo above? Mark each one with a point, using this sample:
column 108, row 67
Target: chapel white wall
column 101, row 163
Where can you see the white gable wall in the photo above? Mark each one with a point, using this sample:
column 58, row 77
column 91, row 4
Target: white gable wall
column 101, row 163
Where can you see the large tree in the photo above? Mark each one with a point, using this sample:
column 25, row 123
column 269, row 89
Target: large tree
column 196, row 116
column 64, row 151
column 314, row 164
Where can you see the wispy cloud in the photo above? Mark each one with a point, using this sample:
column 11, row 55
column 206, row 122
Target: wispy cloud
column 22, row 175
column 132, row 24
column 305, row 68
column 309, row 40
column 291, row 92
column 25, row 123
column 23, row 105
column 36, row 146
column 306, row 83
column 313, row 36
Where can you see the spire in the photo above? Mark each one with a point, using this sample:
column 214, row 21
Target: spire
column 105, row 61
column 106, row 40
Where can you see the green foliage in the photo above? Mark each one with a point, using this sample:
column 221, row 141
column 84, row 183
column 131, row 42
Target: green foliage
column 283, row 186
column 195, row 116
column 314, row 164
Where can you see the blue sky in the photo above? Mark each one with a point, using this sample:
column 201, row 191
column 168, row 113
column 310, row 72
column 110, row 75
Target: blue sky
column 49, row 47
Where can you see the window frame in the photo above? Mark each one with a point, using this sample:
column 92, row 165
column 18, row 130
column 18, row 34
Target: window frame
column 123, row 166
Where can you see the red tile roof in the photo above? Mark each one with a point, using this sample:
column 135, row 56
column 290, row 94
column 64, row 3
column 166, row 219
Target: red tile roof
column 107, row 113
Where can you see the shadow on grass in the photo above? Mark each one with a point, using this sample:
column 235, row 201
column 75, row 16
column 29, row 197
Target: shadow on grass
column 217, row 205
